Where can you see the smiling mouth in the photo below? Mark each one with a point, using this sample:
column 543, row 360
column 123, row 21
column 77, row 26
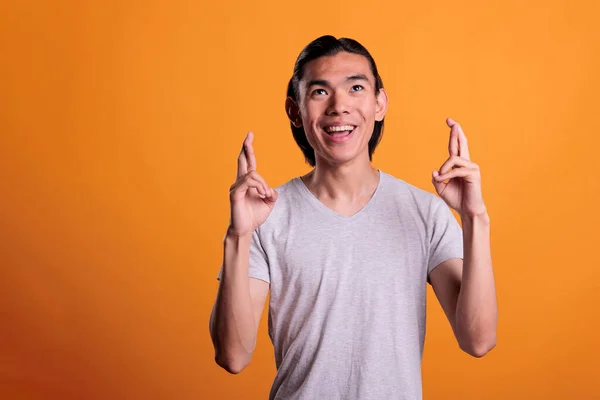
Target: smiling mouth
column 339, row 130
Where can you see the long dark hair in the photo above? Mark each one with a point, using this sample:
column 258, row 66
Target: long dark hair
column 328, row 46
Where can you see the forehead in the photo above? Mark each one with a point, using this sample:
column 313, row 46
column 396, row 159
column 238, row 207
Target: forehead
column 337, row 67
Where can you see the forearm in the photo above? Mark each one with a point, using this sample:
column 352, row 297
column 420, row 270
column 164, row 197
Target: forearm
column 476, row 309
column 232, row 325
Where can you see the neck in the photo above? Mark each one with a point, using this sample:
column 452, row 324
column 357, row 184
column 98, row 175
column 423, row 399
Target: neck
column 345, row 182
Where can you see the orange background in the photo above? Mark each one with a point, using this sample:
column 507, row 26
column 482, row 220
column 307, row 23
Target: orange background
column 120, row 126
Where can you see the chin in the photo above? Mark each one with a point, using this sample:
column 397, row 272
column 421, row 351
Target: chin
column 340, row 158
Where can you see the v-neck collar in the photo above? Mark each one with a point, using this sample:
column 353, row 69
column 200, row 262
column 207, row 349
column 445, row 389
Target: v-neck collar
column 311, row 198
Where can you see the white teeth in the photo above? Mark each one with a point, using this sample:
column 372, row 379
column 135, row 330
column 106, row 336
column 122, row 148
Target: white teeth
column 330, row 129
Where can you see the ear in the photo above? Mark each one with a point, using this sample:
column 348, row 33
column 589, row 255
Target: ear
column 382, row 105
column 293, row 112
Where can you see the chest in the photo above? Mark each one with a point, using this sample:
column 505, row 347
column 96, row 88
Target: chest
column 378, row 254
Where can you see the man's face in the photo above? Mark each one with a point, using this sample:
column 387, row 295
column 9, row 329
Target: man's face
column 338, row 107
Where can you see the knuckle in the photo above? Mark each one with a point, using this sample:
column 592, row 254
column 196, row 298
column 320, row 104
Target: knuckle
column 256, row 175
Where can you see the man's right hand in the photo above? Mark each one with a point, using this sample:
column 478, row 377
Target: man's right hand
column 251, row 199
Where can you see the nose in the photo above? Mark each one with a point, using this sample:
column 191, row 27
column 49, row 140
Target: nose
column 338, row 104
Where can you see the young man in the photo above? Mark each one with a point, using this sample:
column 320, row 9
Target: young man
column 347, row 250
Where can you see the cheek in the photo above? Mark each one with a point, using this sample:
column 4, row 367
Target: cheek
column 311, row 131
column 310, row 118
column 312, row 111
column 368, row 107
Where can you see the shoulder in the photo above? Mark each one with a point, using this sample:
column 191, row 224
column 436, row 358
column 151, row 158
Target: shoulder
column 287, row 192
column 288, row 197
column 397, row 188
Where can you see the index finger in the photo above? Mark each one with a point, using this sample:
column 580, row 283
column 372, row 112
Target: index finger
column 242, row 160
column 453, row 143
column 250, row 159
column 461, row 139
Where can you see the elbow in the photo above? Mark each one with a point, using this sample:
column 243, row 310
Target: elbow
column 231, row 361
column 480, row 347
column 232, row 364
column 233, row 368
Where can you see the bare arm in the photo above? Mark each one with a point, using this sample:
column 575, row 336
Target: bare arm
column 240, row 300
column 466, row 290
column 238, row 308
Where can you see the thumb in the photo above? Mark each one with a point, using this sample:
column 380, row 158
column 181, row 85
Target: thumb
column 439, row 185
column 273, row 198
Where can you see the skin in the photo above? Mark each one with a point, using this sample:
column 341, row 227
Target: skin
column 334, row 89
column 343, row 178
column 466, row 289
column 240, row 300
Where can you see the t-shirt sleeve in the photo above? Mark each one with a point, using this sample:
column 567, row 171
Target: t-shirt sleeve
column 258, row 266
column 446, row 238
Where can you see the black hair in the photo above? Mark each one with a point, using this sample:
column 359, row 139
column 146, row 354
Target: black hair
column 329, row 46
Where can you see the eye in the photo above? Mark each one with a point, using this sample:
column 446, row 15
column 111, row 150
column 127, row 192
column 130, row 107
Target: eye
column 357, row 88
column 318, row 91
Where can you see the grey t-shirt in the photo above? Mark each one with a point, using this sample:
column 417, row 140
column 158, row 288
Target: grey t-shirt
column 347, row 294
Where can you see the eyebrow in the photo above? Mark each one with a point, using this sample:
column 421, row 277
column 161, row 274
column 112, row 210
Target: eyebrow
column 323, row 82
